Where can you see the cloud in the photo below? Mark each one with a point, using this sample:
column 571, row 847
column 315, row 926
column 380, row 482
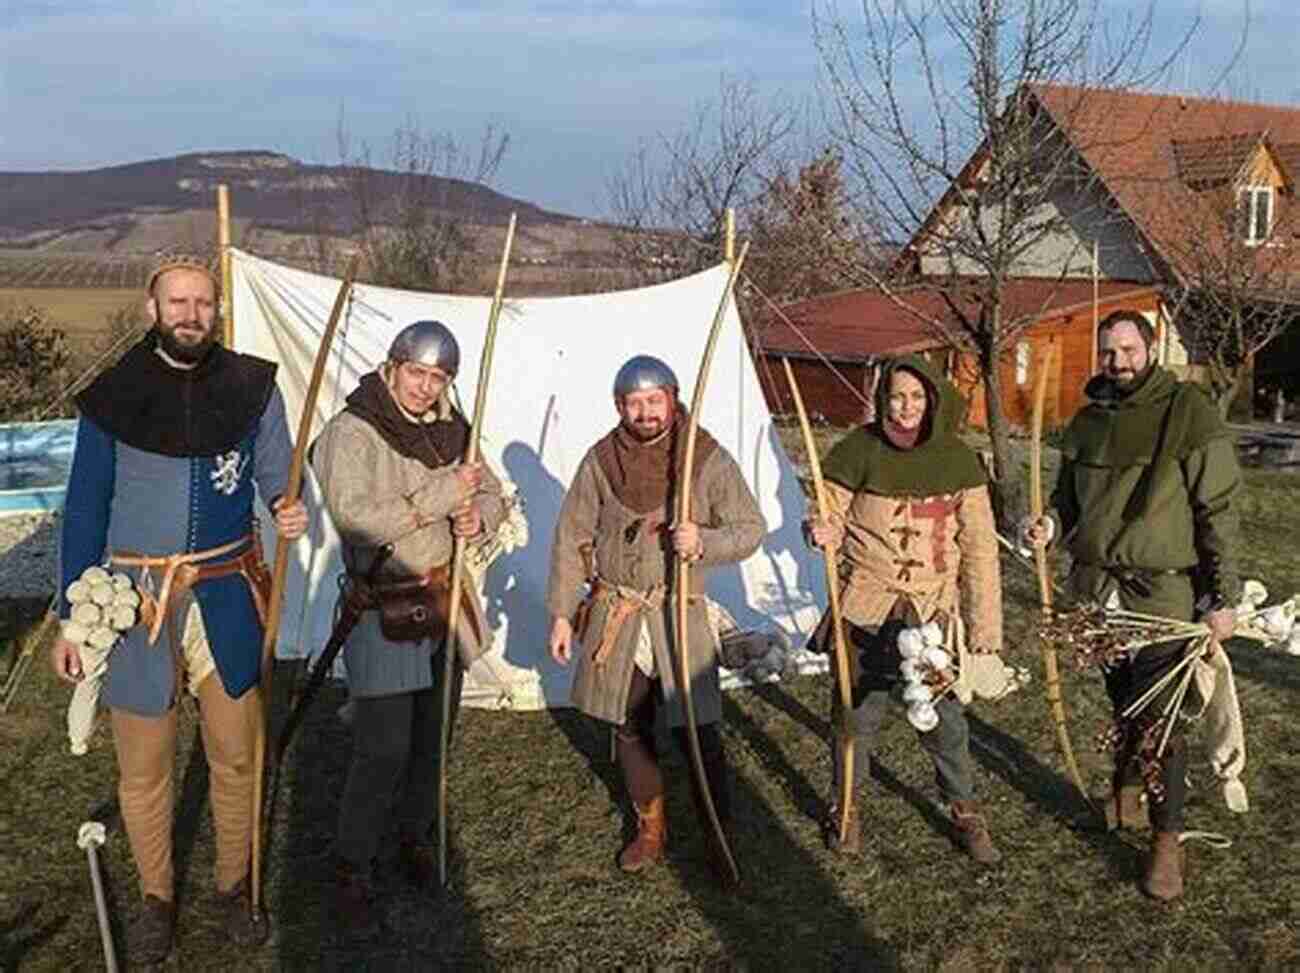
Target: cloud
column 575, row 82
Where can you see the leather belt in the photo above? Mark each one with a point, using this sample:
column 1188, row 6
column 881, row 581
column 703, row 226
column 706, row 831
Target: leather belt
column 180, row 572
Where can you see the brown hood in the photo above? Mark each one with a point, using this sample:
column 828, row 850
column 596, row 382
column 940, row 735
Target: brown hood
column 640, row 473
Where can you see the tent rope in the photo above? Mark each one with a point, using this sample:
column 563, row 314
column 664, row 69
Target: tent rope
column 92, row 371
column 802, row 336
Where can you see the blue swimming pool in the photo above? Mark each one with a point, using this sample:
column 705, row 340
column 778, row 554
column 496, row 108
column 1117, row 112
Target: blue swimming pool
column 35, row 458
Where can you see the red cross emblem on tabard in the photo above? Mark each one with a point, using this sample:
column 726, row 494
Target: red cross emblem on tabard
column 937, row 510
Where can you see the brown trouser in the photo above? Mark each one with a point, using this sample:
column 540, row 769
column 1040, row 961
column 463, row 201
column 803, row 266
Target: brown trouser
column 146, row 760
column 634, row 743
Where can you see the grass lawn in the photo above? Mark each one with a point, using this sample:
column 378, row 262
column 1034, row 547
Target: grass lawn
column 537, row 819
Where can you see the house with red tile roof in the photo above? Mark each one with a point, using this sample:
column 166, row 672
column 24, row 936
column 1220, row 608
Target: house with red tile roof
column 1164, row 198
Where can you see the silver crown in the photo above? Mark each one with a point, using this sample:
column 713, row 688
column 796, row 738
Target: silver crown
column 641, row 373
column 426, row 343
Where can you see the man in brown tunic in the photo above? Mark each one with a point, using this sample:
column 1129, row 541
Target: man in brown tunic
column 615, row 533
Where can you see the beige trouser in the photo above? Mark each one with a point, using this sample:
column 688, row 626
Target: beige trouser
column 146, row 760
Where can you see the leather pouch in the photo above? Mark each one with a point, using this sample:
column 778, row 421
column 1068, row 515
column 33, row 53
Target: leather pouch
column 411, row 611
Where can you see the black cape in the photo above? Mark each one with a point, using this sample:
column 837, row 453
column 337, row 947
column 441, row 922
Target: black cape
column 152, row 406
column 434, row 444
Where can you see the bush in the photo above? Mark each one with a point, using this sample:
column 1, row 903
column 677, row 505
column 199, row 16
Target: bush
column 33, row 361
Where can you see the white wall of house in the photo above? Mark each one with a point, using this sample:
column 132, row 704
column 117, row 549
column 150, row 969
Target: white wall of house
column 1170, row 349
column 1074, row 218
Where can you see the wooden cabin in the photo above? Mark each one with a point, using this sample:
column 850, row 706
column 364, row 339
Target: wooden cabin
column 834, row 342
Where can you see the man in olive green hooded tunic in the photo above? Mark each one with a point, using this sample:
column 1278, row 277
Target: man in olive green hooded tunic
column 1144, row 505
column 911, row 519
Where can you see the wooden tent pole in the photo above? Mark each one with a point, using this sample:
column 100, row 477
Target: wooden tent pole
column 729, row 237
column 223, row 246
column 1096, row 310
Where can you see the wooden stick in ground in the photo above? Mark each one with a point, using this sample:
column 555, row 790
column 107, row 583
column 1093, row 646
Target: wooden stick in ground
column 681, row 584
column 451, row 647
column 1052, row 675
column 23, row 656
column 844, row 733
column 275, row 602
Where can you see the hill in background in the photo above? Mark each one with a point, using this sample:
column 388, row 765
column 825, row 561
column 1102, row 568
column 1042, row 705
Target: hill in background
column 100, row 227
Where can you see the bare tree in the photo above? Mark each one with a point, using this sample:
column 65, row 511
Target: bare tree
column 805, row 240
column 952, row 154
column 672, row 194
column 409, row 211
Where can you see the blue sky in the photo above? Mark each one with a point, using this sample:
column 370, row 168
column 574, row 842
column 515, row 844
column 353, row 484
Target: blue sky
column 576, row 83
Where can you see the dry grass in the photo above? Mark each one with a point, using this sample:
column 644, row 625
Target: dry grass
column 537, row 820
column 77, row 310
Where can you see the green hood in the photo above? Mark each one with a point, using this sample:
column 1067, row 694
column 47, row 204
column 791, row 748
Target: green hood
column 1118, row 428
column 865, row 460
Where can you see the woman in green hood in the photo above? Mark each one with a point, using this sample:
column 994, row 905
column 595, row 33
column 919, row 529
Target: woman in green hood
column 912, row 525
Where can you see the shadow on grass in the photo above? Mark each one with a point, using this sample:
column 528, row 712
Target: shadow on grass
column 1007, row 757
column 805, row 796
column 1265, row 666
column 930, row 812
column 788, row 913
column 775, row 696
column 814, row 804
column 997, row 752
column 419, row 931
column 591, row 739
column 16, row 941
column 12, row 784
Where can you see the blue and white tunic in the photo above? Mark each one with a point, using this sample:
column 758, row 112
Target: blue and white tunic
column 121, row 498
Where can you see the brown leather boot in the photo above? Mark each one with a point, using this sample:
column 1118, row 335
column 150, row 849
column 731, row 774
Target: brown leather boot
column 149, row 937
column 1125, row 807
column 1163, row 879
column 974, row 833
column 647, row 848
column 852, row 843
column 234, row 910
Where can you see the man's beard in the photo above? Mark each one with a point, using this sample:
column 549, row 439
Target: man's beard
column 1127, row 381
column 646, row 433
column 186, row 353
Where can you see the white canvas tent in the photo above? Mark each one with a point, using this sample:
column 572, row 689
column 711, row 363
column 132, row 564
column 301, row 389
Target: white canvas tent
column 549, row 401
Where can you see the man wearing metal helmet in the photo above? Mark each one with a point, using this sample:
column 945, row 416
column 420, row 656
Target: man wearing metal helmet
column 390, row 467
column 616, row 534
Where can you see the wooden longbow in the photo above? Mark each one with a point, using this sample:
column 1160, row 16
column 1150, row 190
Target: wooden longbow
column 1052, row 674
column 681, row 584
column 275, row 602
column 844, row 733
column 451, row 647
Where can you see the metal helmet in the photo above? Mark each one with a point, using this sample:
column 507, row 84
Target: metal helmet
column 643, row 372
column 427, row 343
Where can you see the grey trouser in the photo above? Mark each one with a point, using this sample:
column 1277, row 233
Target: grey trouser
column 395, row 742
column 948, row 745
